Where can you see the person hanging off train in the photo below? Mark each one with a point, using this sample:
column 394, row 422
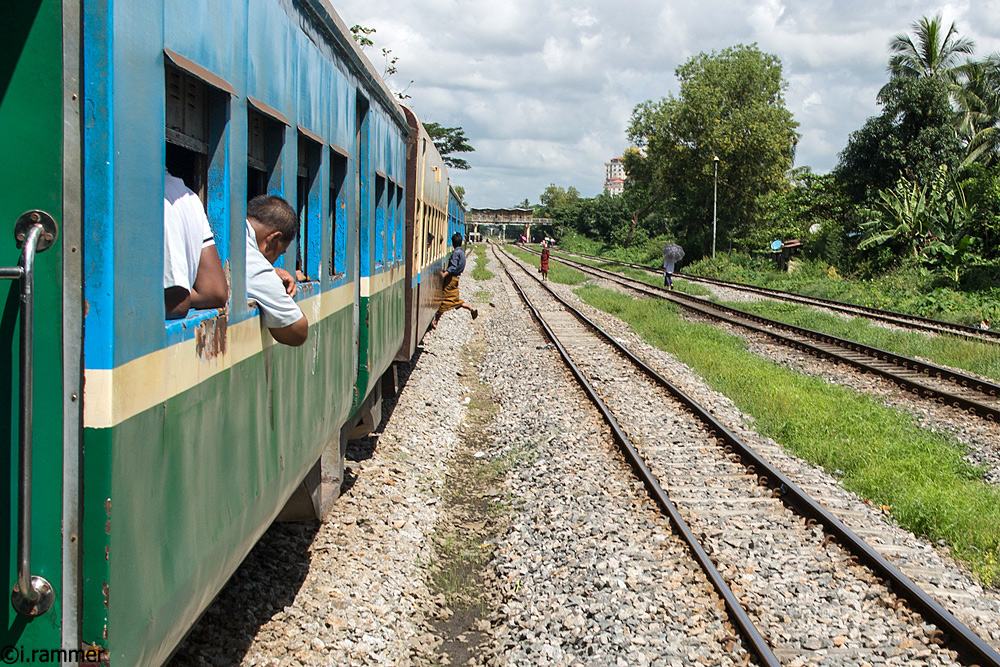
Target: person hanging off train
column 271, row 227
column 192, row 271
column 450, row 299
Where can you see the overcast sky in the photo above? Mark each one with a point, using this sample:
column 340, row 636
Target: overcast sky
column 544, row 88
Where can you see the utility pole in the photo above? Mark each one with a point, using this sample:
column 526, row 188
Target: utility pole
column 715, row 204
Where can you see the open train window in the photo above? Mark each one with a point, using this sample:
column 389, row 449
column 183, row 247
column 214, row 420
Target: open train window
column 265, row 138
column 187, row 129
column 338, row 212
column 400, row 224
column 307, row 253
column 380, row 220
column 390, row 225
column 195, row 123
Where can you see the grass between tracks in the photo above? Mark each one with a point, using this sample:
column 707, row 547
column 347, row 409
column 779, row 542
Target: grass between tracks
column 480, row 272
column 973, row 356
column 877, row 452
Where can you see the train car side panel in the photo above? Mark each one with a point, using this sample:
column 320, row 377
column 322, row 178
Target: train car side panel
column 31, row 127
column 198, row 430
column 427, row 239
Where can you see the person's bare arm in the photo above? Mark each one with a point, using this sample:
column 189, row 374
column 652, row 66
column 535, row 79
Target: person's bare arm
column 294, row 334
column 288, row 280
column 177, row 301
column 210, row 289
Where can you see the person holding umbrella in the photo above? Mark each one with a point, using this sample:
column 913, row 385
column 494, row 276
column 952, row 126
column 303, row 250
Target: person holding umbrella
column 672, row 253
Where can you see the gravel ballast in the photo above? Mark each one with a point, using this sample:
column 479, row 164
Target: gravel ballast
column 583, row 571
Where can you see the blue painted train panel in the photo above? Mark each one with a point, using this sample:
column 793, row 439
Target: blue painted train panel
column 270, row 37
column 125, row 152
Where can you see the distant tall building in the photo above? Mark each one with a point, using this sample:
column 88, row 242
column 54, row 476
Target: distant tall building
column 614, row 176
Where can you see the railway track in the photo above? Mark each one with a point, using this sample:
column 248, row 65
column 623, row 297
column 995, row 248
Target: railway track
column 972, row 394
column 889, row 317
column 740, row 506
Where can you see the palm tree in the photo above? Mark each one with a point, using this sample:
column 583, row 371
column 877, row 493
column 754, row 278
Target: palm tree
column 977, row 96
column 932, row 55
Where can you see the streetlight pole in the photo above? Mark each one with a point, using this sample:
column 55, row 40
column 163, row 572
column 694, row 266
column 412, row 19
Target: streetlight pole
column 715, row 203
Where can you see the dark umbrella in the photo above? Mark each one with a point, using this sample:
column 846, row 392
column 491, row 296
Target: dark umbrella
column 672, row 253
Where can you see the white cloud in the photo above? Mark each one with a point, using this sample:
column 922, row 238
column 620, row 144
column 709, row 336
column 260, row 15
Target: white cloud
column 544, row 88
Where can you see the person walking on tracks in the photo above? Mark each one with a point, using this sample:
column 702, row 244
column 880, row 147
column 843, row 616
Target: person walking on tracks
column 672, row 253
column 543, row 265
column 451, row 299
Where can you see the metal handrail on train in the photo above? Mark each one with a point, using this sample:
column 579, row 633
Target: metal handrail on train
column 35, row 231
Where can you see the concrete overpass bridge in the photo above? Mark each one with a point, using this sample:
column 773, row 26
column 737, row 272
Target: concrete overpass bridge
column 501, row 218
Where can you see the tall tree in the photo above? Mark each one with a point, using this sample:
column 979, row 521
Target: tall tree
column 731, row 105
column 556, row 196
column 934, row 54
column 912, row 137
column 449, row 140
column 644, row 191
column 978, row 100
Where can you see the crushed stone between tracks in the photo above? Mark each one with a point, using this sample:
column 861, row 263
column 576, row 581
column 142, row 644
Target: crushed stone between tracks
column 568, row 562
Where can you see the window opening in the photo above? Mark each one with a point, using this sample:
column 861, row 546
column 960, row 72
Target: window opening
column 195, row 125
column 187, row 130
column 265, row 139
column 400, row 225
column 307, row 250
column 390, row 225
column 379, row 221
column 338, row 213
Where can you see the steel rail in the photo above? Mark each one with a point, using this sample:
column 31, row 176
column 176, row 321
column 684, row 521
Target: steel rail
column 985, row 387
column 784, row 488
column 737, row 613
column 891, row 317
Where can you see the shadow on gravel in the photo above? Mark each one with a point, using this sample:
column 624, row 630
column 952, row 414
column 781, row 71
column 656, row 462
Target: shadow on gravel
column 364, row 449
column 265, row 583
column 272, row 573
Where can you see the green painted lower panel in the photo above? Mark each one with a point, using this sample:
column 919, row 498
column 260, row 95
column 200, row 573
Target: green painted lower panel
column 195, row 481
column 379, row 342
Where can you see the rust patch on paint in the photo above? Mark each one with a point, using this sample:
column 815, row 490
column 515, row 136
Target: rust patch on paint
column 211, row 337
column 107, row 593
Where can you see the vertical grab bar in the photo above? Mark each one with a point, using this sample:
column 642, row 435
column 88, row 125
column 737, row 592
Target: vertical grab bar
column 34, row 232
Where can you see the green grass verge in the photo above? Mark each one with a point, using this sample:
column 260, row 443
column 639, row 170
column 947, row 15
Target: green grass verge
column 973, row 356
column 879, row 453
column 905, row 289
column 656, row 280
column 480, row 272
column 558, row 272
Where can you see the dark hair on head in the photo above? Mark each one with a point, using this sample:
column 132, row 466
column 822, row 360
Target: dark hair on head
column 456, row 239
column 275, row 214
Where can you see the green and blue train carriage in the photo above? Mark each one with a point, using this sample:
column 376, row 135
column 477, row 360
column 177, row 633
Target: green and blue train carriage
column 162, row 450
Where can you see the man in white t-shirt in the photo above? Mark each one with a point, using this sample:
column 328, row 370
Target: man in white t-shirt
column 192, row 272
column 271, row 227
